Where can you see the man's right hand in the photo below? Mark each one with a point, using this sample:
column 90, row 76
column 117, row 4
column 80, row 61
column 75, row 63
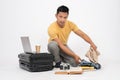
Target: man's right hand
column 77, row 59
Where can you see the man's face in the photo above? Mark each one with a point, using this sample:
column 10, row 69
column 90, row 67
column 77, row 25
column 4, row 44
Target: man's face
column 61, row 18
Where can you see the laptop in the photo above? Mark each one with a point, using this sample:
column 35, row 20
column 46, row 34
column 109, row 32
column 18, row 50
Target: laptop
column 26, row 44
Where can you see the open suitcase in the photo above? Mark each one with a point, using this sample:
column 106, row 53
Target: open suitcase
column 36, row 62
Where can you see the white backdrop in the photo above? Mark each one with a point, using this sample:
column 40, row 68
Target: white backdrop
column 100, row 19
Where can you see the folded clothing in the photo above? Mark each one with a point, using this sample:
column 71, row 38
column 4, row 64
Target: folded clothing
column 92, row 55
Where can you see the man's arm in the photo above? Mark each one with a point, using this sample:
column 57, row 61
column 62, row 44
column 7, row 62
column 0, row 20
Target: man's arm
column 86, row 38
column 67, row 50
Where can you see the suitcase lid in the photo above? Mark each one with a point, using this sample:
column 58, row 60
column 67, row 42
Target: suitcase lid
column 37, row 55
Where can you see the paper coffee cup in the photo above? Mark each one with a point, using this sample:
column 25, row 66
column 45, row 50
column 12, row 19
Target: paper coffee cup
column 37, row 47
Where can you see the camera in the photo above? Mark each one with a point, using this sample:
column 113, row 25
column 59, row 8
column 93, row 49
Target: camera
column 65, row 66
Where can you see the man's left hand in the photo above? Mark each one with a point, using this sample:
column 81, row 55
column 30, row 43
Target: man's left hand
column 94, row 47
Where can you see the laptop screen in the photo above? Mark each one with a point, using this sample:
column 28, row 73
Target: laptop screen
column 26, row 44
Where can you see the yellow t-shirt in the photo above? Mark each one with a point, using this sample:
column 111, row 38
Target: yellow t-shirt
column 62, row 34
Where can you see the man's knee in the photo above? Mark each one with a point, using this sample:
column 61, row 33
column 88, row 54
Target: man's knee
column 53, row 46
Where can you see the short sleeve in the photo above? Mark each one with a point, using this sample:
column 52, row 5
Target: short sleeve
column 52, row 33
column 73, row 27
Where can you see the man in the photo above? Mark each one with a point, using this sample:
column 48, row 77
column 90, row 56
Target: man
column 59, row 32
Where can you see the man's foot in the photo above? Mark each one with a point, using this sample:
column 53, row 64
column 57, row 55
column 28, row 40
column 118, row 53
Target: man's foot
column 57, row 65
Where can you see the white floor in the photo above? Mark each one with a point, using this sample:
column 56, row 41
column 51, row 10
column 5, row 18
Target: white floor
column 110, row 71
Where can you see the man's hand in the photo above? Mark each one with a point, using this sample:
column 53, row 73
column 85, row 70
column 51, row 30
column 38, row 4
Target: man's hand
column 77, row 59
column 94, row 46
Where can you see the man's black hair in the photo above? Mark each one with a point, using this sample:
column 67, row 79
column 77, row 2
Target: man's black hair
column 63, row 9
